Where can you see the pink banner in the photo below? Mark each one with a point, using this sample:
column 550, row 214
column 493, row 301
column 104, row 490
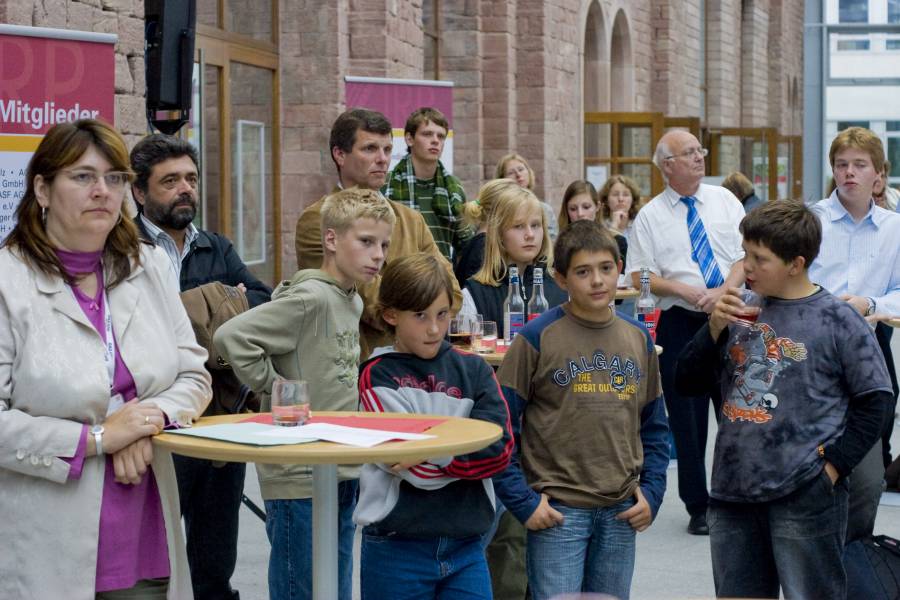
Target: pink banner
column 44, row 81
column 397, row 100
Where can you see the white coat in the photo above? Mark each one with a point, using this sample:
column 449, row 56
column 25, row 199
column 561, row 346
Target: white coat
column 53, row 380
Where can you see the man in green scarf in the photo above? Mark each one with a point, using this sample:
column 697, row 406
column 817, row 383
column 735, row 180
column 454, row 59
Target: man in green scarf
column 421, row 182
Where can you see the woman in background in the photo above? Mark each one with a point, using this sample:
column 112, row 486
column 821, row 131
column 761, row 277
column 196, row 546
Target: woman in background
column 581, row 202
column 513, row 166
column 619, row 199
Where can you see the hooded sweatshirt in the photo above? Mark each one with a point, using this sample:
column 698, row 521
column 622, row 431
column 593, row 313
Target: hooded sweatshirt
column 309, row 331
column 451, row 496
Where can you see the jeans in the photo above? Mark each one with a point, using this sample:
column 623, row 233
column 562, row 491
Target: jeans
column 289, row 526
column 591, row 551
column 210, row 502
column 423, row 569
column 795, row 542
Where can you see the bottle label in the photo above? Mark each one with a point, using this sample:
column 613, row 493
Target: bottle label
column 533, row 316
column 516, row 323
column 648, row 320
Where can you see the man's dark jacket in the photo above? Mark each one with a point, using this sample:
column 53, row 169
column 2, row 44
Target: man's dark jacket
column 212, row 257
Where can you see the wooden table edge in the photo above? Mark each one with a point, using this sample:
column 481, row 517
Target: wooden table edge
column 314, row 453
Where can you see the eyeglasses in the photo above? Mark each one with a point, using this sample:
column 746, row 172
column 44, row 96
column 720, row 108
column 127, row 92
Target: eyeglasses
column 689, row 153
column 114, row 180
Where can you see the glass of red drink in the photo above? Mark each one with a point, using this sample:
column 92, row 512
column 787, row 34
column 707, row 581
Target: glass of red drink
column 752, row 306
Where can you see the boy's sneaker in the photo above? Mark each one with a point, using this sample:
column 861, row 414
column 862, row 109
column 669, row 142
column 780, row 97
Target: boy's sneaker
column 697, row 525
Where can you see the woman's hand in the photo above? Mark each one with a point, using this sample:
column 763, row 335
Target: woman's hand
column 131, row 462
column 619, row 220
column 135, row 420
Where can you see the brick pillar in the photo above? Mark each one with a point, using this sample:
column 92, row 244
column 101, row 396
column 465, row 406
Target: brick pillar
column 386, row 38
column 499, row 82
column 754, row 63
column 676, row 43
column 314, row 50
column 724, row 74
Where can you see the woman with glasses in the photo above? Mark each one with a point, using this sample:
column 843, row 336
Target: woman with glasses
column 96, row 356
column 513, row 166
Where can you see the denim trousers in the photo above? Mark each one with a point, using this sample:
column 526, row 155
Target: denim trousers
column 591, row 551
column 795, row 542
column 423, row 569
column 289, row 526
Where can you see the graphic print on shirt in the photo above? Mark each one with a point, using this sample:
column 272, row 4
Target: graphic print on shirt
column 758, row 356
column 598, row 374
column 348, row 356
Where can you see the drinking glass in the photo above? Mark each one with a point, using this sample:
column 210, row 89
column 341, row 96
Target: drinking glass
column 753, row 302
column 462, row 329
column 486, row 339
column 290, row 402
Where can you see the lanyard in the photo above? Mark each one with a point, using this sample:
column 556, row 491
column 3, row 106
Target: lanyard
column 109, row 357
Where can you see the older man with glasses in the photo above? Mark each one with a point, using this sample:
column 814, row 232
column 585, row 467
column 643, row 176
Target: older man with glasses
column 689, row 239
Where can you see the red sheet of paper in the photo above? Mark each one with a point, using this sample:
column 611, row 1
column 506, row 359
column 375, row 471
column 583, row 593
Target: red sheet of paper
column 386, row 424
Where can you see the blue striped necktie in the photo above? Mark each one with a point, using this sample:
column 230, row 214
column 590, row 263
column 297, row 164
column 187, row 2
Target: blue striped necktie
column 701, row 252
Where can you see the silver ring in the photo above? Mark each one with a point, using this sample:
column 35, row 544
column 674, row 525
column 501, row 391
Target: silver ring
column 146, row 419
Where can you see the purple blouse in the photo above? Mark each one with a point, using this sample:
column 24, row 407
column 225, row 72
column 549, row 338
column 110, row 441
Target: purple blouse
column 132, row 544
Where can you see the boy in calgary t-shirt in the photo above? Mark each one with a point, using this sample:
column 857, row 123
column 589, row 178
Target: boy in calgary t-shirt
column 805, row 393
column 594, row 439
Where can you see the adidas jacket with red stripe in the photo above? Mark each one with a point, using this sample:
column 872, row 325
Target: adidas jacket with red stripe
column 445, row 497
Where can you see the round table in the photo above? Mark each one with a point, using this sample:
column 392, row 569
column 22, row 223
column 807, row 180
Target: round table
column 452, row 437
column 627, row 293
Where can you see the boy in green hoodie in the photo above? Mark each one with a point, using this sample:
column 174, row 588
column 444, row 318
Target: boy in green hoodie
column 310, row 331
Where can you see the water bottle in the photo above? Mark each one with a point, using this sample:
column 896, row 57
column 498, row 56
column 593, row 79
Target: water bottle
column 645, row 307
column 513, row 307
column 537, row 304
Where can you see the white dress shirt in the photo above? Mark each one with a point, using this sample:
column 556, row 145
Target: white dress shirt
column 861, row 259
column 659, row 238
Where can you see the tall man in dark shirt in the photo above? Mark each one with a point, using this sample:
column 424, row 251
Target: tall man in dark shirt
column 166, row 193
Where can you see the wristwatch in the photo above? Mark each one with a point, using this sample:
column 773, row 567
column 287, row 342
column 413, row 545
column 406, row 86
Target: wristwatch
column 870, row 309
column 97, row 432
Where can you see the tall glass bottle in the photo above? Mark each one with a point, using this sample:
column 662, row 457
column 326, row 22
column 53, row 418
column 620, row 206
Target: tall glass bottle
column 645, row 307
column 537, row 304
column 513, row 307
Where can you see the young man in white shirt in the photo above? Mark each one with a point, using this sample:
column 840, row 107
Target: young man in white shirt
column 859, row 261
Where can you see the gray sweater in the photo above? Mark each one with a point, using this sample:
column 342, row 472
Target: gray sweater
column 309, row 331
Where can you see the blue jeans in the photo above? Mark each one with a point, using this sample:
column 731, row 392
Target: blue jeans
column 423, row 569
column 795, row 542
column 591, row 551
column 289, row 527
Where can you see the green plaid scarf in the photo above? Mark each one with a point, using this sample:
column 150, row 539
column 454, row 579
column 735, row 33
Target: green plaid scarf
column 449, row 195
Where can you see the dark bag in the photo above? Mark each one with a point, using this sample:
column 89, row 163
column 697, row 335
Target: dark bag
column 208, row 306
column 873, row 568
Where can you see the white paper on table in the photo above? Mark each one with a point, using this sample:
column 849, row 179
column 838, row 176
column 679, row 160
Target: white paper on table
column 341, row 434
column 260, row 434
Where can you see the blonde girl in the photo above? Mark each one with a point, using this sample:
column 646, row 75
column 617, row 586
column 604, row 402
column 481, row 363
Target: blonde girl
column 476, row 214
column 516, row 235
